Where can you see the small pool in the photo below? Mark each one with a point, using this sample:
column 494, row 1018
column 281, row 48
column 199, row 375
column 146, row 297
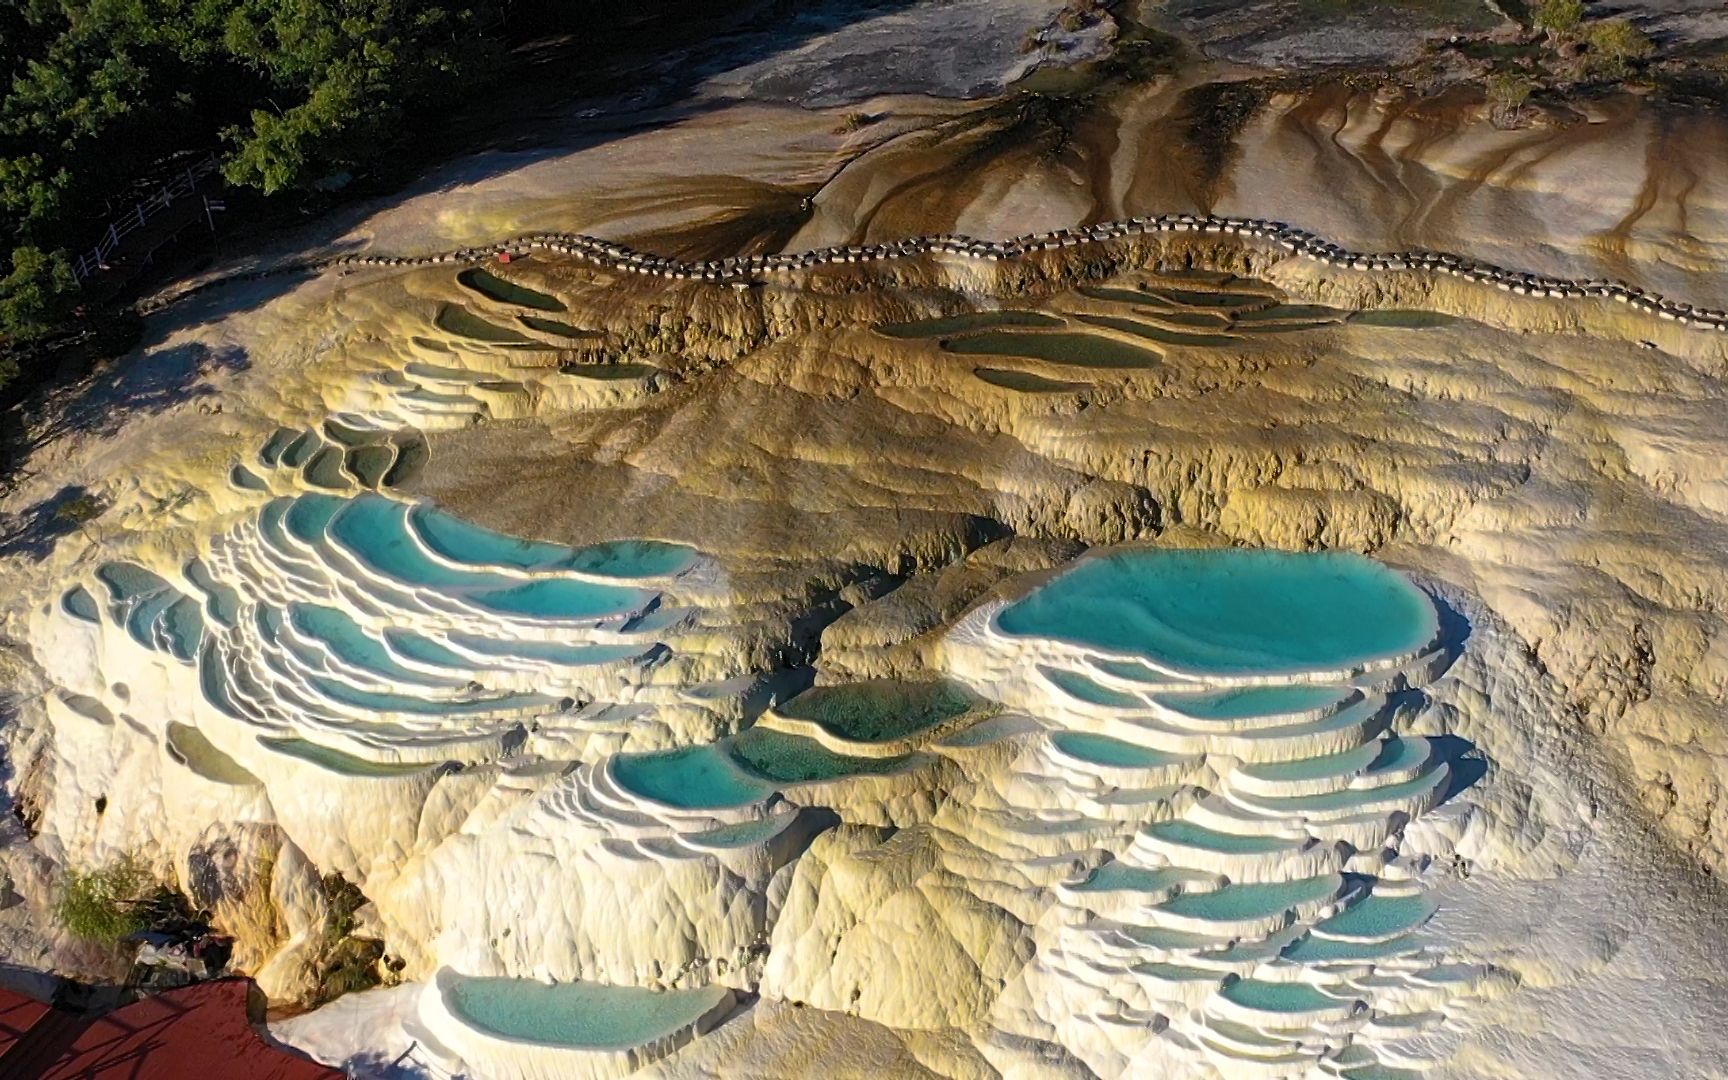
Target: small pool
column 1248, row 702
column 880, row 710
column 1403, row 319
column 1119, row 876
column 588, row 1015
column 547, row 652
column 463, row 542
column 1377, row 916
column 342, row 763
column 1154, row 332
column 1081, row 688
column 1326, row 766
column 619, row 372
column 556, row 328
column 562, row 598
column 493, row 287
column 793, row 759
column 458, row 320
column 690, row 778
column 969, row 322
column 246, row 480
column 1280, row 997
column 189, row 746
column 1231, row 612
column 222, row 602
column 1319, row 950
column 1114, row 753
column 78, row 603
column 1025, row 382
column 1188, row 834
column 1235, row 903
column 369, row 464
column 350, row 642
column 1063, row 347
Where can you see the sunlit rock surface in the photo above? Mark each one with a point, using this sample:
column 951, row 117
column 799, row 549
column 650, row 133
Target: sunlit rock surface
column 1165, row 656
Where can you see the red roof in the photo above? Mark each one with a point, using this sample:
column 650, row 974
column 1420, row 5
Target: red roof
column 203, row 1031
column 18, row 1014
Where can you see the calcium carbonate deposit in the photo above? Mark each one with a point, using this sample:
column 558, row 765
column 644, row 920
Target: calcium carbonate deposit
column 994, row 585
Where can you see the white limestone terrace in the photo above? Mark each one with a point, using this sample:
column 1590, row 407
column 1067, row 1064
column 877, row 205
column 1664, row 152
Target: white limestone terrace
column 1220, row 812
column 370, row 644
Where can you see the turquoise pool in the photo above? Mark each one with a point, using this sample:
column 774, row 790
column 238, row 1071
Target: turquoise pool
column 79, row 604
column 1231, row 612
column 1247, row 702
column 1103, row 750
column 880, row 709
column 460, row 541
column 342, row 763
column 1279, row 997
column 1188, row 834
column 690, row 778
column 1237, row 902
column 593, row 1016
column 793, row 759
column 1118, row 876
column 1377, row 916
column 1083, row 689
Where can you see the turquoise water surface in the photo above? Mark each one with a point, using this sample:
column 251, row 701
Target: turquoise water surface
column 1103, row 750
column 1278, row 997
column 580, row 1014
column 1247, row 702
column 1231, row 612
column 881, row 709
column 690, row 778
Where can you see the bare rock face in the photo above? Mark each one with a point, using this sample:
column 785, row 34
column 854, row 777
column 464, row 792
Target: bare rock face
column 867, row 917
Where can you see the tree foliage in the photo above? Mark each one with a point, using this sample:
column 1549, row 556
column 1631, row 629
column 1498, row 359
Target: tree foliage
column 95, row 93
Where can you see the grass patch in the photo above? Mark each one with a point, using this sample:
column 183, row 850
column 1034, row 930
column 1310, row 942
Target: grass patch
column 106, row 904
column 348, row 963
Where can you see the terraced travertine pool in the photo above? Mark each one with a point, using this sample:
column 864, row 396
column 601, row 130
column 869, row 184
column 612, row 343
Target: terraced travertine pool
column 587, row 1015
column 880, row 710
column 1065, row 347
column 690, row 778
column 1231, row 612
column 1271, row 672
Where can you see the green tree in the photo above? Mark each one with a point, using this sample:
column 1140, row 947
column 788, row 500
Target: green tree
column 36, row 294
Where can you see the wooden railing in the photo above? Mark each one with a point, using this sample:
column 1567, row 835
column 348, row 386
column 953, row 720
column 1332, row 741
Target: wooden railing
column 179, row 186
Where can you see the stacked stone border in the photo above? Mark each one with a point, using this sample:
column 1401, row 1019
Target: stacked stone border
column 742, row 271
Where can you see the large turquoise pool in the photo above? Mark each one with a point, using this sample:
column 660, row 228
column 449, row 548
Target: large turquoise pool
column 593, row 1016
column 1231, row 612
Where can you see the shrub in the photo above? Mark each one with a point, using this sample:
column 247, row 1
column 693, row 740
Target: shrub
column 1508, row 92
column 107, row 904
column 1615, row 44
column 853, row 121
column 1561, row 18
